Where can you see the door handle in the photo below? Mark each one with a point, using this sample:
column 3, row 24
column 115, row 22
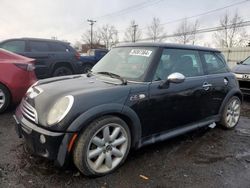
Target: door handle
column 206, row 86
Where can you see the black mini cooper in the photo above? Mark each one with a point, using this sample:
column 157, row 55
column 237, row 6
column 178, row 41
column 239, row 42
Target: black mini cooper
column 138, row 94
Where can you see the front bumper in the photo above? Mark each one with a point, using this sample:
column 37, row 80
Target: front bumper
column 48, row 144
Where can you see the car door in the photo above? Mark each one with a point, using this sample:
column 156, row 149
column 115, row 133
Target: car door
column 175, row 105
column 39, row 50
column 218, row 78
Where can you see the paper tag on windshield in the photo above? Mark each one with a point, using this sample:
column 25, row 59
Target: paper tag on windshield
column 140, row 52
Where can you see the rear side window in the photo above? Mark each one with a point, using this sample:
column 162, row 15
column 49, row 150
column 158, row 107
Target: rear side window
column 57, row 47
column 37, row 46
column 214, row 63
column 14, row 46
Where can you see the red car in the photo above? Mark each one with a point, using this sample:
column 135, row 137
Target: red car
column 16, row 76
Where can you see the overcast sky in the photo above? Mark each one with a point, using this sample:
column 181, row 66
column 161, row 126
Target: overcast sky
column 67, row 19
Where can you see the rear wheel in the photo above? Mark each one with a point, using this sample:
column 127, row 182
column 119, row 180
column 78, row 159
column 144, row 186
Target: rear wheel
column 86, row 68
column 102, row 147
column 62, row 71
column 231, row 114
column 4, row 98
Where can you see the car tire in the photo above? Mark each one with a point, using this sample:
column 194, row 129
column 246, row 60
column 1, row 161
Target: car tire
column 4, row 98
column 102, row 147
column 62, row 71
column 231, row 113
column 86, row 68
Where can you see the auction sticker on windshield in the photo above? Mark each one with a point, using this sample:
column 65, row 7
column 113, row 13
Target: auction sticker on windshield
column 140, row 52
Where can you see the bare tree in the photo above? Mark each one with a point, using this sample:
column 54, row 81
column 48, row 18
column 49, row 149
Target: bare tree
column 233, row 34
column 86, row 38
column 108, row 34
column 133, row 33
column 186, row 32
column 155, row 30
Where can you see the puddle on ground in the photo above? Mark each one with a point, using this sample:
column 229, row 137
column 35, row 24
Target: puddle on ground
column 204, row 159
column 243, row 132
column 243, row 155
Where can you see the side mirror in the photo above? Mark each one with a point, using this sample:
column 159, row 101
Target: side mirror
column 176, row 78
column 173, row 78
column 239, row 62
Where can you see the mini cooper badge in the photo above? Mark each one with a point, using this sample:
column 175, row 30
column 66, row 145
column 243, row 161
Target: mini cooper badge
column 246, row 77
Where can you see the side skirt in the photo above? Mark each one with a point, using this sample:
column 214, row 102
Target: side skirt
column 176, row 132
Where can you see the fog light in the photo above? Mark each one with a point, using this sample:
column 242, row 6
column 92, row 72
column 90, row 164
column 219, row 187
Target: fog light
column 42, row 139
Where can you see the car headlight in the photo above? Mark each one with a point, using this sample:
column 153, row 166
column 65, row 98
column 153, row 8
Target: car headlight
column 60, row 109
column 238, row 75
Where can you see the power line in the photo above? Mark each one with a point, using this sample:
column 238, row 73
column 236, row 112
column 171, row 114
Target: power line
column 135, row 7
column 198, row 15
column 204, row 30
column 205, row 13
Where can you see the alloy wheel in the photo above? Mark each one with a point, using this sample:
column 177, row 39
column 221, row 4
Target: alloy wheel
column 233, row 112
column 107, row 148
column 2, row 98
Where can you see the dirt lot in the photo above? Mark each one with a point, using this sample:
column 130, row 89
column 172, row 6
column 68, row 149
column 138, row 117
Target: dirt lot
column 204, row 158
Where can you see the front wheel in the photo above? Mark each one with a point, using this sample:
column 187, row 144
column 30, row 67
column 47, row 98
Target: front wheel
column 102, row 147
column 231, row 113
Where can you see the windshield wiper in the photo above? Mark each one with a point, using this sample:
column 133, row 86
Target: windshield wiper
column 112, row 75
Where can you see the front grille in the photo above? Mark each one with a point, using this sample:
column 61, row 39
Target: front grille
column 28, row 111
column 244, row 84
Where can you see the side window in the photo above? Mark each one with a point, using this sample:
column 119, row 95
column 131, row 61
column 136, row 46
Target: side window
column 14, row 46
column 37, row 46
column 56, row 47
column 186, row 62
column 214, row 63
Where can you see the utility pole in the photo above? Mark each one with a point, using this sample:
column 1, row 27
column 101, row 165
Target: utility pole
column 134, row 28
column 91, row 22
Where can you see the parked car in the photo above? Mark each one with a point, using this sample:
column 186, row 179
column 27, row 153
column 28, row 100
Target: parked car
column 53, row 57
column 16, row 76
column 94, row 55
column 138, row 94
column 242, row 73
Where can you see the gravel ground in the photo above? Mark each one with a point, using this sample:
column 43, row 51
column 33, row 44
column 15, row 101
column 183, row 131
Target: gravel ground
column 204, row 158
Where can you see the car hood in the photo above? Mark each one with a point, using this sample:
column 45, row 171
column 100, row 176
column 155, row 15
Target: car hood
column 241, row 69
column 88, row 92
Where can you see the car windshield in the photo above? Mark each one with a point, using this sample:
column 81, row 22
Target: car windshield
column 130, row 63
column 247, row 61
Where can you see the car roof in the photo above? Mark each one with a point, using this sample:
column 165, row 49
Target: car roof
column 36, row 39
column 167, row 45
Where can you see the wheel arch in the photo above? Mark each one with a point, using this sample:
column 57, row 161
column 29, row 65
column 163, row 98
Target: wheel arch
column 233, row 92
column 123, row 112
